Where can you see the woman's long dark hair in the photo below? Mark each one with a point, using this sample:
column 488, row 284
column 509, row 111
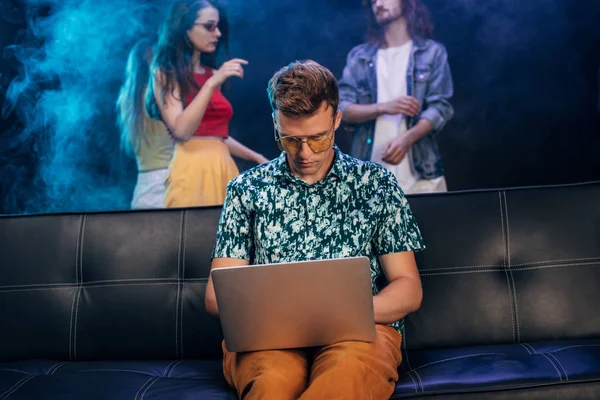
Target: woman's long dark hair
column 417, row 16
column 132, row 119
column 173, row 57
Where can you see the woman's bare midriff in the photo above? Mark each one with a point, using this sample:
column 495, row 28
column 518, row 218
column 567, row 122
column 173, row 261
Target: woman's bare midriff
column 219, row 138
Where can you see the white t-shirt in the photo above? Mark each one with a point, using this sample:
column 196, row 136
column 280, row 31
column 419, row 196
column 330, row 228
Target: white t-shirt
column 392, row 64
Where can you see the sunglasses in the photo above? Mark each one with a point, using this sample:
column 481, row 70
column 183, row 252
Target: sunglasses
column 209, row 26
column 292, row 144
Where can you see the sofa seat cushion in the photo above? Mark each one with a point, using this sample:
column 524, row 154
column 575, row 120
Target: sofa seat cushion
column 485, row 368
column 184, row 379
column 422, row 373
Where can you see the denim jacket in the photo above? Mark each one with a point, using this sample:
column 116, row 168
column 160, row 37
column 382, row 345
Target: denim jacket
column 428, row 79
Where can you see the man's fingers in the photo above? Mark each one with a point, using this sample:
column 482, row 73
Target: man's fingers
column 407, row 111
column 395, row 154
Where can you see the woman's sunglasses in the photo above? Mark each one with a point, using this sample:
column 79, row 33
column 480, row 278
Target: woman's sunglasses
column 209, row 26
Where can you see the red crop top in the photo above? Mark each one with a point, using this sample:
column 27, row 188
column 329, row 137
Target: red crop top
column 218, row 112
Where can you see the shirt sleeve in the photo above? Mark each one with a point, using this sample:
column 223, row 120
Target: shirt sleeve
column 397, row 228
column 438, row 109
column 235, row 238
column 347, row 85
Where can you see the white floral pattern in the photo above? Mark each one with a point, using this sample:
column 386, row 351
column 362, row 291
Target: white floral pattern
column 358, row 209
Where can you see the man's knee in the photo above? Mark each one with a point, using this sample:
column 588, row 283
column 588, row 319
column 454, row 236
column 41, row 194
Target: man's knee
column 272, row 384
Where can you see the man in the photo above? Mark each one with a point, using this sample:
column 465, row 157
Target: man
column 395, row 93
column 314, row 202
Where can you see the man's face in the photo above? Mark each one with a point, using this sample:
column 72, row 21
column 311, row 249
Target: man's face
column 305, row 163
column 386, row 11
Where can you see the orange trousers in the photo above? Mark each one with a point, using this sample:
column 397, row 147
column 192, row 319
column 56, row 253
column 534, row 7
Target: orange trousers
column 345, row 370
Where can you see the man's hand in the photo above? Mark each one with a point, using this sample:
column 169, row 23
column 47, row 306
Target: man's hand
column 210, row 297
column 406, row 105
column 395, row 151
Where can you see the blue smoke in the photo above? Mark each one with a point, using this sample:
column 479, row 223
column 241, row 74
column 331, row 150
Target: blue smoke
column 72, row 58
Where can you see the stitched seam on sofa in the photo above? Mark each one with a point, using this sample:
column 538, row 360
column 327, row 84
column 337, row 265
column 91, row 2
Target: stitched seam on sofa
column 480, row 389
column 505, row 204
column 143, row 386
column 78, row 282
column 525, row 347
column 138, row 281
column 70, row 324
column 79, row 290
column 575, row 345
column 556, row 266
column 564, row 371
column 512, row 314
column 512, row 269
column 458, row 358
column 117, row 370
column 177, row 352
column 516, row 302
column 36, row 285
column 403, row 343
column 505, row 262
column 405, row 371
column 414, row 381
column 75, row 326
column 14, row 370
column 529, row 346
column 554, row 365
column 503, row 236
column 78, row 248
column 148, row 388
column 546, row 356
column 573, row 261
column 512, row 278
column 67, row 285
column 56, row 366
column 170, row 368
column 15, row 387
column 182, row 284
column 99, row 286
column 420, row 381
column 568, row 260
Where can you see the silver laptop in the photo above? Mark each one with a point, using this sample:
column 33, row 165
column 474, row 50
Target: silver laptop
column 293, row 305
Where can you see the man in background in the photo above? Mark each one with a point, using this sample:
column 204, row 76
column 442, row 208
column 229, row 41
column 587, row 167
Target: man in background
column 395, row 94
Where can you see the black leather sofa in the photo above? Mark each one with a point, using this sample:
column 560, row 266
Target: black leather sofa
column 111, row 305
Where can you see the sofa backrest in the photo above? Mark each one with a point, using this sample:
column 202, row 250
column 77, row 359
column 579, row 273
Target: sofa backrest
column 500, row 267
column 507, row 266
column 116, row 285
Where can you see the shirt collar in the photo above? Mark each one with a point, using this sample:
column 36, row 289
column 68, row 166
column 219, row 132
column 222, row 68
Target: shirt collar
column 339, row 168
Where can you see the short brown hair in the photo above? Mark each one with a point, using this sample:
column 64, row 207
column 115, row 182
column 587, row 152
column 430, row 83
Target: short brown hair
column 301, row 87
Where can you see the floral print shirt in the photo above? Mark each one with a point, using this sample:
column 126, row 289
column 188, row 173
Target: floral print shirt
column 358, row 209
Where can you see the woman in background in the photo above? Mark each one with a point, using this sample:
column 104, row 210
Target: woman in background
column 187, row 97
column 142, row 136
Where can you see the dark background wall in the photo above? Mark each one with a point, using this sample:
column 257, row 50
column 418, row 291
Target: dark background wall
column 526, row 78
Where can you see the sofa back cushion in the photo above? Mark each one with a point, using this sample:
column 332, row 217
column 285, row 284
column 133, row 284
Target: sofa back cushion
column 507, row 266
column 500, row 267
column 115, row 285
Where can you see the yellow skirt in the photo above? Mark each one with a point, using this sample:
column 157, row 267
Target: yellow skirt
column 199, row 173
